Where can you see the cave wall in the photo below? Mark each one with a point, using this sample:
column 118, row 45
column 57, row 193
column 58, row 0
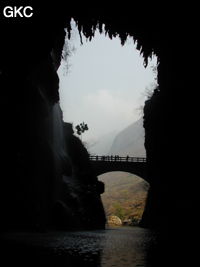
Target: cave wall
column 168, row 140
column 31, row 164
column 33, row 151
column 79, row 205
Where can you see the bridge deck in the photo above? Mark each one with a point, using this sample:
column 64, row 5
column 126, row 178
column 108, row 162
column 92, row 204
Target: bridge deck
column 117, row 158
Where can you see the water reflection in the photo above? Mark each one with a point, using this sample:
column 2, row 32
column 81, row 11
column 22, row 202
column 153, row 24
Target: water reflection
column 125, row 246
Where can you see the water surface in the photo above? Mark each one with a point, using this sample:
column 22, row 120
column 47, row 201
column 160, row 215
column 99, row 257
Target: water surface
column 119, row 246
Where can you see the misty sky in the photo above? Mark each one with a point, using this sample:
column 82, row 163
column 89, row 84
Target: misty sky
column 105, row 84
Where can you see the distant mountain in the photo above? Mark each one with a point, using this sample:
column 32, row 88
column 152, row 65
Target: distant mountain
column 103, row 145
column 125, row 195
column 130, row 141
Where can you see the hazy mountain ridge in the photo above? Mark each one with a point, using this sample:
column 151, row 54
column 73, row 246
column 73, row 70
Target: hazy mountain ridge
column 130, row 141
column 103, row 144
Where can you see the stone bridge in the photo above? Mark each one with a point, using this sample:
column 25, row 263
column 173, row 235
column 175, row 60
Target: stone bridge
column 134, row 165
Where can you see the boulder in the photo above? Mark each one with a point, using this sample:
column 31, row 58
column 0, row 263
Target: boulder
column 114, row 220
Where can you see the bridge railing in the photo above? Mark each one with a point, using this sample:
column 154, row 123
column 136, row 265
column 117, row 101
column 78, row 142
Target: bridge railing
column 117, row 158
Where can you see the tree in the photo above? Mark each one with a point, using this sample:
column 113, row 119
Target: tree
column 81, row 128
column 119, row 211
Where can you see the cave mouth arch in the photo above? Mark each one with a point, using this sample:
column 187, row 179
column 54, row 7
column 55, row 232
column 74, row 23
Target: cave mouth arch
column 117, row 96
column 68, row 54
column 124, row 197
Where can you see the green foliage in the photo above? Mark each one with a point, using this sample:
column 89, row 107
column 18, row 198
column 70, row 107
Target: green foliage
column 81, row 128
column 119, row 211
column 125, row 195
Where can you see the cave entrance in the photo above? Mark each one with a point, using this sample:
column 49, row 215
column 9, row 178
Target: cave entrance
column 124, row 198
column 105, row 85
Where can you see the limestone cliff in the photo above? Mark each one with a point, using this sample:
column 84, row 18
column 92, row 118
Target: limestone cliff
column 79, row 206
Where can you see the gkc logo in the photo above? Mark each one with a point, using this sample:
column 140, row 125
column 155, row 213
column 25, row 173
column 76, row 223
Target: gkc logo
column 13, row 12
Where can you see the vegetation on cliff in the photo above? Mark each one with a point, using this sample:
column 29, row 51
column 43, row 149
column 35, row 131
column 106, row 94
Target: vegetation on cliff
column 125, row 196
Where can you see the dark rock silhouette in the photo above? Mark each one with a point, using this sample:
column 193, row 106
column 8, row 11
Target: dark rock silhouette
column 80, row 205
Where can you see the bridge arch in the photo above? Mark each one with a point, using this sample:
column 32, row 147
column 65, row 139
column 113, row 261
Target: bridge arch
column 125, row 196
column 133, row 165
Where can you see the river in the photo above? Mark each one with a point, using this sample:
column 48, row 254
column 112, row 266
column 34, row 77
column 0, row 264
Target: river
column 113, row 247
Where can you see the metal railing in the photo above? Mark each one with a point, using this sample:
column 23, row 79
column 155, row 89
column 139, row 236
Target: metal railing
column 117, row 158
